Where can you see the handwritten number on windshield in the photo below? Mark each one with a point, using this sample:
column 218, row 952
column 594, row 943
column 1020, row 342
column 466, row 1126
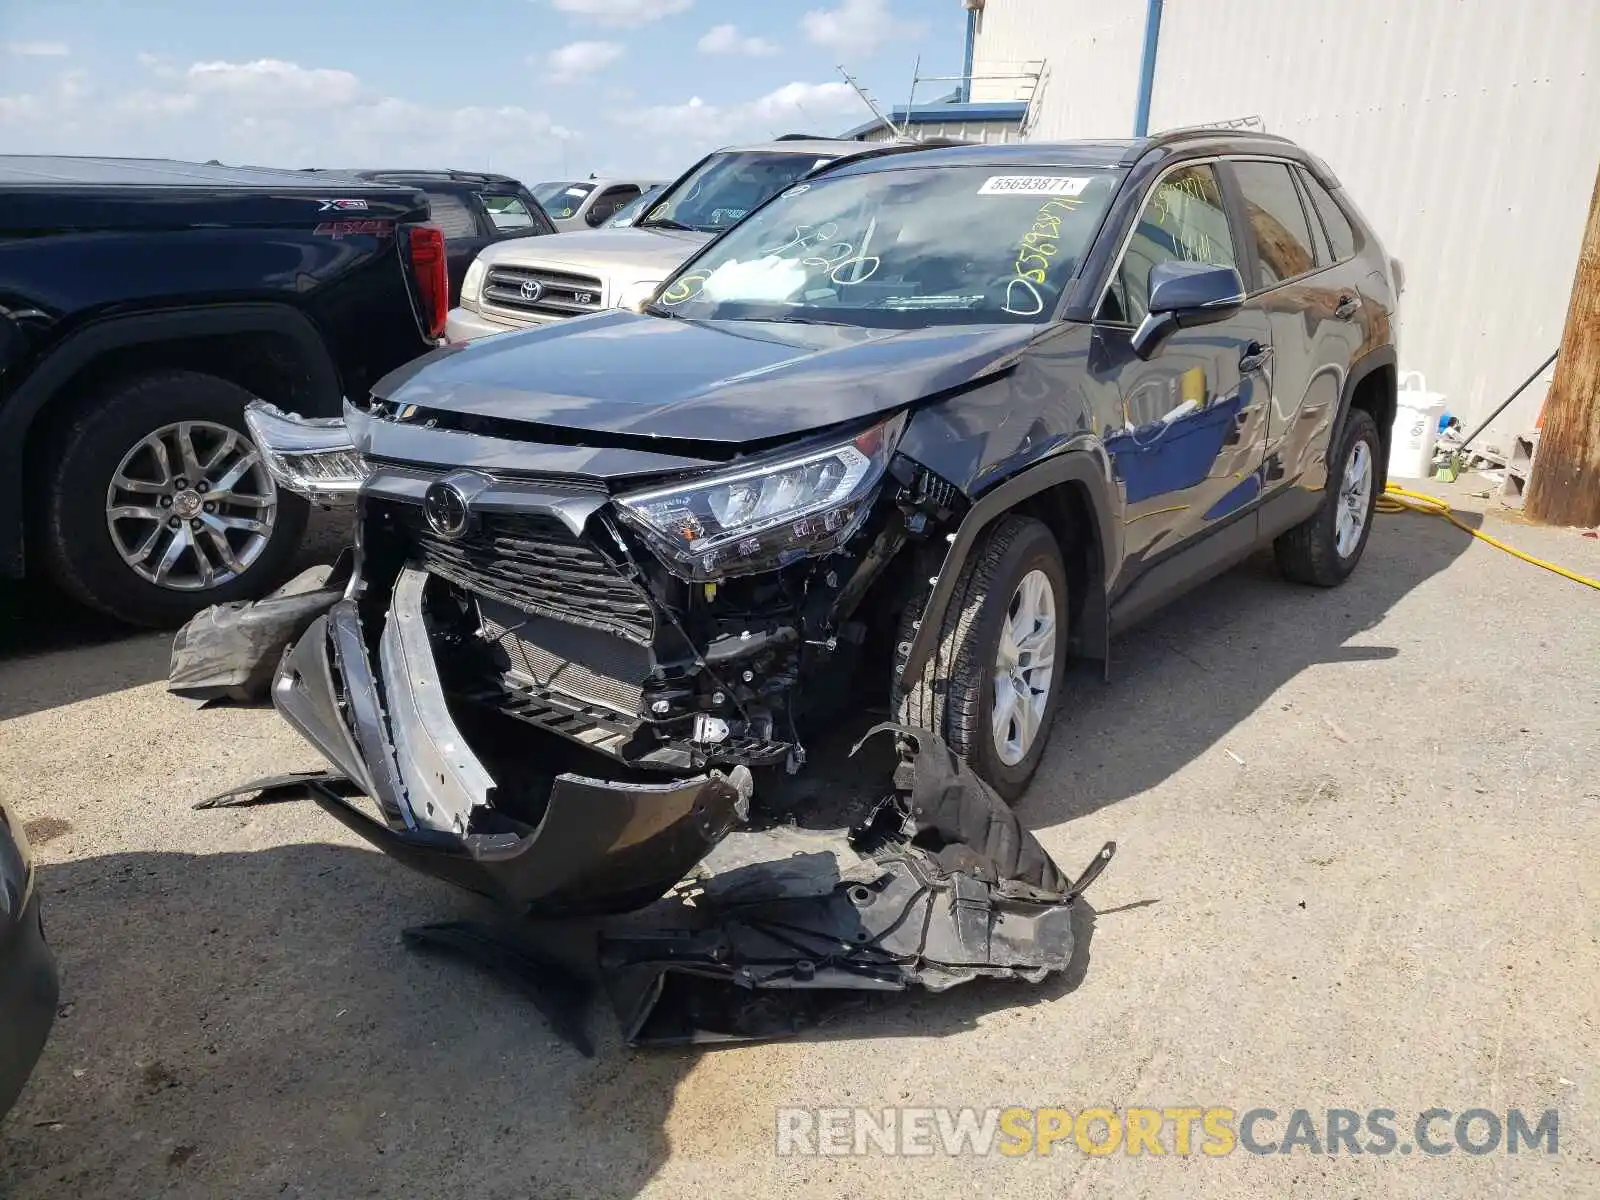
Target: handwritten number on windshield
column 1036, row 253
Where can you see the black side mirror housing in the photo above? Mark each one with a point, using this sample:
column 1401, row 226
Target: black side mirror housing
column 1183, row 295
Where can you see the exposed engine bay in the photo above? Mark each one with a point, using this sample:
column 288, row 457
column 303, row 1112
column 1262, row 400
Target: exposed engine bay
column 599, row 634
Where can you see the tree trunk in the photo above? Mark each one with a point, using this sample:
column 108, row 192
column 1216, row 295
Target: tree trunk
column 1565, row 487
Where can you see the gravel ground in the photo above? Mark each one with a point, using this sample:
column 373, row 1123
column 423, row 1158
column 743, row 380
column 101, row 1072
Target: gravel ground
column 1358, row 868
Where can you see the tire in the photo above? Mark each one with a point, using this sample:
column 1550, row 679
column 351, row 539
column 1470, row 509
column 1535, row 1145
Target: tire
column 1309, row 553
column 955, row 696
column 74, row 531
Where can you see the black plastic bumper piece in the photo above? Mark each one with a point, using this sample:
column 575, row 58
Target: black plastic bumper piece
column 599, row 846
column 28, row 993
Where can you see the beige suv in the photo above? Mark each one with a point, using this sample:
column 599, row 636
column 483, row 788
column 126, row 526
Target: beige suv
column 531, row 281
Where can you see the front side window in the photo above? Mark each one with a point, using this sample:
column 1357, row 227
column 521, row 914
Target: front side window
column 629, row 213
column 1277, row 221
column 562, row 200
column 720, row 191
column 609, row 201
column 452, row 216
column 901, row 248
column 1184, row 220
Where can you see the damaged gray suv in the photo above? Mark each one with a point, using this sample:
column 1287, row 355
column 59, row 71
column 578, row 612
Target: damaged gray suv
column 912, row 434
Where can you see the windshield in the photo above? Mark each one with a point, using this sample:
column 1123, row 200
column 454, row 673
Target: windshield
column 561, row 199
column 721, row 190
column 628, row 212
column 902, row 247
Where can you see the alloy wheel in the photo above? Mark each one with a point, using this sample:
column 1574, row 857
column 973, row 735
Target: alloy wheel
column 191, row 506
column 1024, row 668
column 1355, row 500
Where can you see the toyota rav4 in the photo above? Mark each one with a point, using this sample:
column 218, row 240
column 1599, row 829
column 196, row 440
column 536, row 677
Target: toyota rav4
column 915, row 431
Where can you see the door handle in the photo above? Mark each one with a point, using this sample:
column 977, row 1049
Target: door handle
column 1255, row 357
column 1347, row 307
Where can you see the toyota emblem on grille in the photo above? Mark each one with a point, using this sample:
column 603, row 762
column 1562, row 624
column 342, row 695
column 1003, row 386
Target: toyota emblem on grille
column 532, row 289
column 445, row 508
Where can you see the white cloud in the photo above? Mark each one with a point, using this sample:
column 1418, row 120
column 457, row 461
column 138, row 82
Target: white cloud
column 577, row 59
column 726, row 39
column 859, row 26
column 275, row 113
column 39, row 49
column 625, row 14
column 794, row 104
column 277, row 83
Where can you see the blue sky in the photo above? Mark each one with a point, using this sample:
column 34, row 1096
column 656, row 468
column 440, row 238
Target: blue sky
column 535, row 88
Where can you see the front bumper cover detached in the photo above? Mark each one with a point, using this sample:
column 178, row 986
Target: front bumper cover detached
column 727, row 935
column 599, row 845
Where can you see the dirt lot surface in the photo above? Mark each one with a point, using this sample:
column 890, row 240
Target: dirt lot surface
column 1359, row 868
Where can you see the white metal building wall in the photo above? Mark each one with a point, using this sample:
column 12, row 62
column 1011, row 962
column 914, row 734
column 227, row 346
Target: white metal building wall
column 967, row 131
column 1091, row 54
column 1466, row 130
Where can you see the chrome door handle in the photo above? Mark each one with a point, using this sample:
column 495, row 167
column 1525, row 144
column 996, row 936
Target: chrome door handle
column 1255, row 357
column 1347, row 307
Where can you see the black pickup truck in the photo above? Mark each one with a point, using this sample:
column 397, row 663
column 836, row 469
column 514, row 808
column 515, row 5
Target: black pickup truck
column 143, row 303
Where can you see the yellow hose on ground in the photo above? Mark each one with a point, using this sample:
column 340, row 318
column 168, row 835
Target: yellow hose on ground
column 1399, row 499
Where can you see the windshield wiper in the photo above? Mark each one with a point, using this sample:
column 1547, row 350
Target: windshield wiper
column 656, row 310
column 666, row 223
column 803, row 321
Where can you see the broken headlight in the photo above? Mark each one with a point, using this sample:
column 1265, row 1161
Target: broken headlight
column 313, row 457
column 759, row 518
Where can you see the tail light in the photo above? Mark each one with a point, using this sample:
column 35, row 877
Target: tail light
column 433, row 281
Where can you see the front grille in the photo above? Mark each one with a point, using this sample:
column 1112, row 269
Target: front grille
column 537, row 292
column 533, row 562
column 584, row 664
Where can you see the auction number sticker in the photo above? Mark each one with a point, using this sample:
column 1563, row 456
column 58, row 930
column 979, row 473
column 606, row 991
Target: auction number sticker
column 1034, row 185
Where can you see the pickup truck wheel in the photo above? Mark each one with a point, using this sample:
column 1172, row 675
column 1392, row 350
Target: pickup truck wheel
column 1324, row 548
column 157, row 503
column 992, row 684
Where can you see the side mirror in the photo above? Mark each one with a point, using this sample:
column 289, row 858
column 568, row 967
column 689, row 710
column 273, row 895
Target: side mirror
column 1183, row 295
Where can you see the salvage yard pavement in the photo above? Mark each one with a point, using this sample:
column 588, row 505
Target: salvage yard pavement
column 1358, row 868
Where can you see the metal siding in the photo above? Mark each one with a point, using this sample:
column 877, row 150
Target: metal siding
column 1091, row 53
column 1431, row 113
column 970, row 131
column 1464, row 129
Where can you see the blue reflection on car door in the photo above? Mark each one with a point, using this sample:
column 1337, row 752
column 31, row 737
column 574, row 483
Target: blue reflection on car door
column 1188, row 442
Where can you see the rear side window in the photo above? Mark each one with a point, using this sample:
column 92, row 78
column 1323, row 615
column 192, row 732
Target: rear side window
column 451, row 215
column 511, row 212
column 1277, row 222
column 1341, row 237
column 1183, row 220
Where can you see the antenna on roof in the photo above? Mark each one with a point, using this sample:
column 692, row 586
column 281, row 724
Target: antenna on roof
column 868, row 101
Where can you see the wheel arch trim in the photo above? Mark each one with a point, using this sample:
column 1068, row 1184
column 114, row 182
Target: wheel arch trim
column 1088, row 468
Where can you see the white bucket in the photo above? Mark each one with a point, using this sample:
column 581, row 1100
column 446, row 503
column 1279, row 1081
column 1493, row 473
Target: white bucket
column 1416, row 428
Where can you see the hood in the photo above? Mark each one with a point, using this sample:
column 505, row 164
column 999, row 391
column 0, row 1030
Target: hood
column 619, row 256
column 730, row 382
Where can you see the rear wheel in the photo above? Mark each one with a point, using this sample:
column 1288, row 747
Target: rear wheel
column 158, row 504
column 1324, row 548
column 991, row 687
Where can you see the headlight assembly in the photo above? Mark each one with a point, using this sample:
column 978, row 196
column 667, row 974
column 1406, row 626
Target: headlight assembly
column 759, row 518
column 472, row 283
column 312, row 457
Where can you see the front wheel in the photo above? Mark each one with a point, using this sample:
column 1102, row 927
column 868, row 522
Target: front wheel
column 991, row 687
column 158, row 504
column 1324, row 548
